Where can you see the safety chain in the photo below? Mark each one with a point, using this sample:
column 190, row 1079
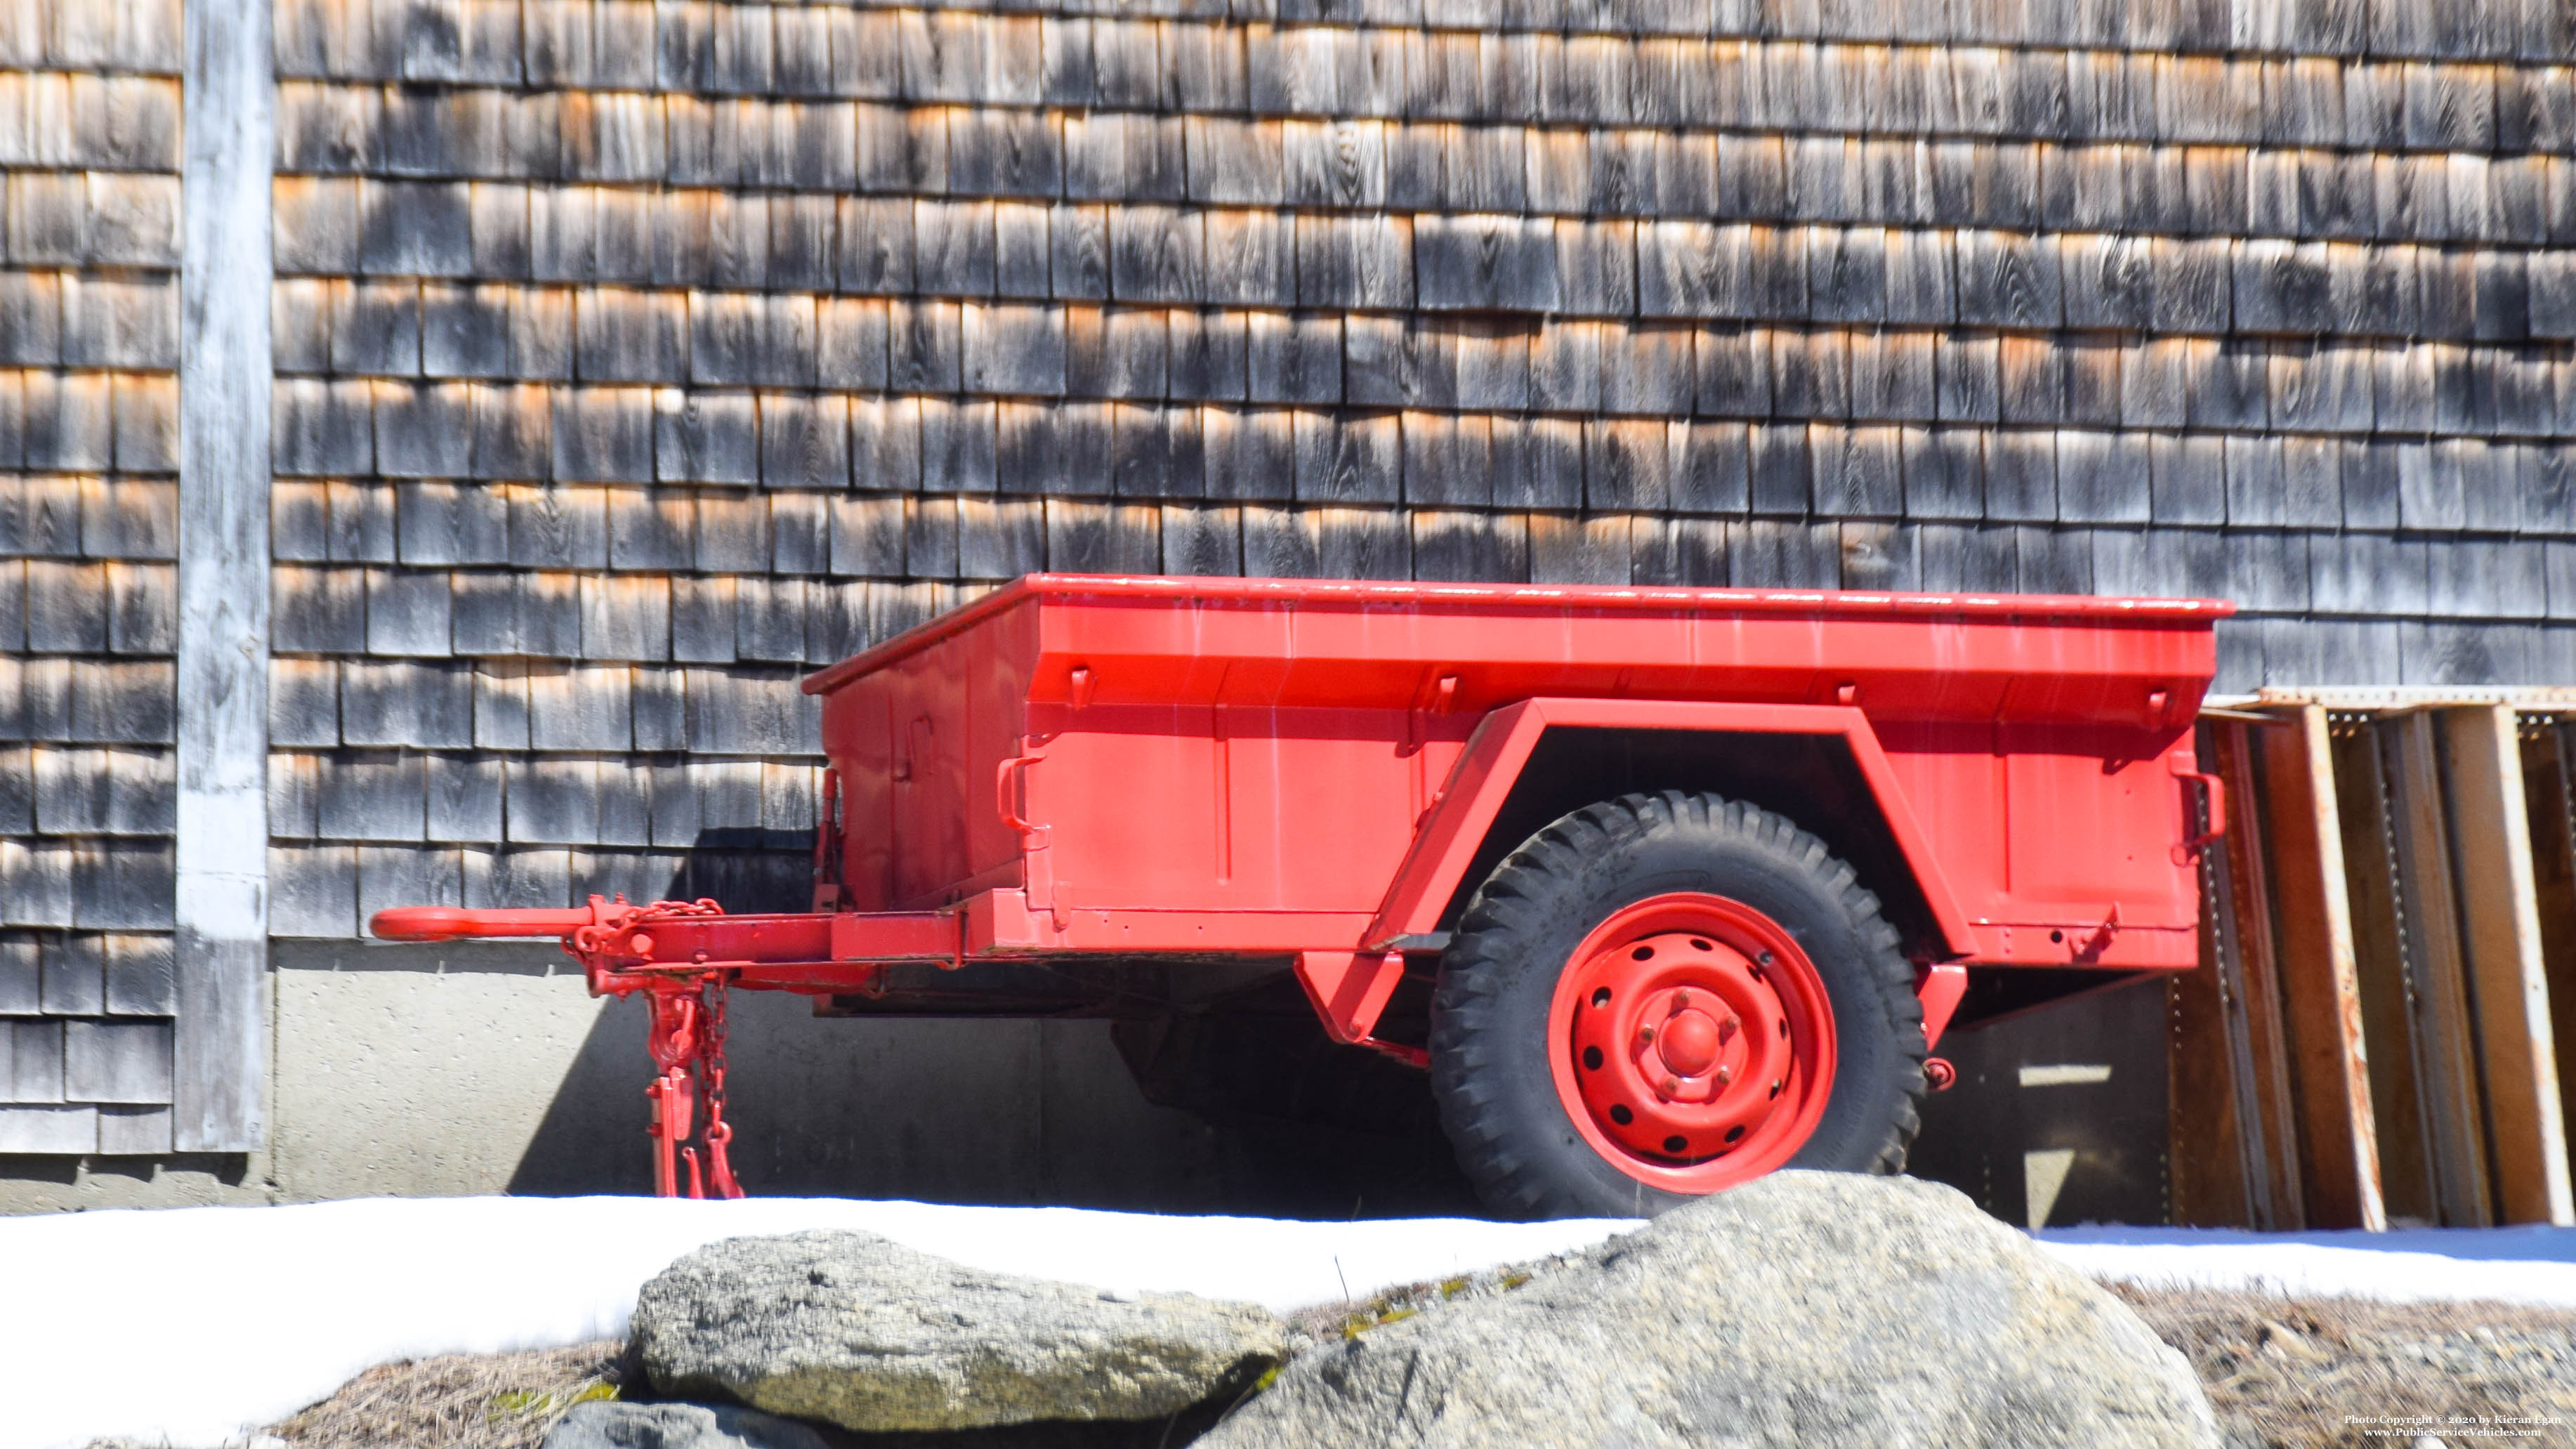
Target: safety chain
column 589, row 943
column 711, row 1069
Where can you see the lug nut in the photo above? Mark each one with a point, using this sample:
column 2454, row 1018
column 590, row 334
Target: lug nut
column 1670, row 1089
column 1645, row 1036
column 1726, row 1030
column 1725, row 1075
column 1681, row 1002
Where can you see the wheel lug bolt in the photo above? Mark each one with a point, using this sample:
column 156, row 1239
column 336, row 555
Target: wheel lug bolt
column 1681, row 1001
column 1671, row 1088
column 1725, row 1075
column 1726, row 1030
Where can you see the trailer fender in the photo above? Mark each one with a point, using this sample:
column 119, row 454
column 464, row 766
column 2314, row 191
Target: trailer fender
column 1455, row 826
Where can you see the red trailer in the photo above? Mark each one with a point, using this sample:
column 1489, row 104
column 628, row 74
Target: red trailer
column 1684, row 884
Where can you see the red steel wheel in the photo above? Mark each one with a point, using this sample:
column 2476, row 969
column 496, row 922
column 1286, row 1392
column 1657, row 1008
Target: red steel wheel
column 1621, row 994
column 1693, row 1042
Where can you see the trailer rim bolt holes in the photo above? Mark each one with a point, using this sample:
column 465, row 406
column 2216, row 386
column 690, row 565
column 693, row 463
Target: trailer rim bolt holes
column 1697, row 1067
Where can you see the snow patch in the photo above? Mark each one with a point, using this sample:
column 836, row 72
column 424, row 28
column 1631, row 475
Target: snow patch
column 193, row 1325
column 2531, row 1266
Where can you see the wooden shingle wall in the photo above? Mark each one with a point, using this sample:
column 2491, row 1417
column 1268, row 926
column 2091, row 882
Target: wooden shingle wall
column 89, row 248
column 635, row 357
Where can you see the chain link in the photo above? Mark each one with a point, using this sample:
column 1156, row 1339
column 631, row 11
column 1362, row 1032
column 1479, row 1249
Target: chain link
column 712, row 1055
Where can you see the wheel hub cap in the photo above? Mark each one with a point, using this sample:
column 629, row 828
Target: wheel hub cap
column 1689, row 1040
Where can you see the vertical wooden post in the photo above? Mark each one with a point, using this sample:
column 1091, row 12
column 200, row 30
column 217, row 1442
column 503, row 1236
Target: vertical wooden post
column 2508, row 984
column 2549, row 790
column 2251, row 996
column 224, row 368
column 2437, row 978
column 2339, row 1163
column 2205, row 1148
column 2379, row 969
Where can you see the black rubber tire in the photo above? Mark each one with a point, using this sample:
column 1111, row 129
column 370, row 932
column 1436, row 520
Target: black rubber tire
column 1489, row 1015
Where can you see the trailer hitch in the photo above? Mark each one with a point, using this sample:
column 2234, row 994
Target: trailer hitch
column 686, row 1035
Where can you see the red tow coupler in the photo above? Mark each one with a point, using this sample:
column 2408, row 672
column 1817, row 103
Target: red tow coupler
column 614, row 942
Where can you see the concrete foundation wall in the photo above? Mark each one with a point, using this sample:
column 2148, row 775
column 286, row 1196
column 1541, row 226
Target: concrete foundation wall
column 497, row 1072
column 419, row 1072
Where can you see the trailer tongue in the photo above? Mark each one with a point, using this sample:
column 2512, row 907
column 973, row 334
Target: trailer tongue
column 1700, row 874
